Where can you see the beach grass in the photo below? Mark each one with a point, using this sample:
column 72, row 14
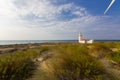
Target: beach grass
column 116, row 56
column 73, row 62
column 18, row 65
column 62, row 61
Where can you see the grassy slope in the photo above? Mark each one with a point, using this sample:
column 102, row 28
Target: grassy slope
column 63, row 61
column 80, row 62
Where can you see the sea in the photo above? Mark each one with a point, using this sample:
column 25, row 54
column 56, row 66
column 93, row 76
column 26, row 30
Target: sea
column 8, row 42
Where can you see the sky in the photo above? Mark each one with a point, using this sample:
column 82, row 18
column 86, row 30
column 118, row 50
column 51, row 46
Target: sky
column 58, row 19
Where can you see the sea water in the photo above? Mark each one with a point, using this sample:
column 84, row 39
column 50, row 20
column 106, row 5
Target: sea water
column 7, row 42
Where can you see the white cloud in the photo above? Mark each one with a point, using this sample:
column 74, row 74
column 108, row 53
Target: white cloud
column 45, row 10
column 46, row 14
column 7, row 9
column 39, row 11
column 38, row 14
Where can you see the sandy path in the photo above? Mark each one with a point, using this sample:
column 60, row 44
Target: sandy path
column 41, row 63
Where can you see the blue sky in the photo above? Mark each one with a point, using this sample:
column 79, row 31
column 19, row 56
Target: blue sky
column 58, row 19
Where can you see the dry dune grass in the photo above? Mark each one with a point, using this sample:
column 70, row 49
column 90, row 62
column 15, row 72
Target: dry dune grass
column 63, row 61
column 72, row 62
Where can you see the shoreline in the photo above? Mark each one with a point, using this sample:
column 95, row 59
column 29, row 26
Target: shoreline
column 19, row 42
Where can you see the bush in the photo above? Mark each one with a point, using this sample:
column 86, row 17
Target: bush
column 17, row 66
column 44, row 48
column 116, row 56
column 100, row 50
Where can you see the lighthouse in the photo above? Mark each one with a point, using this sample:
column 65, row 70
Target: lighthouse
column 80, row 36
column 81, row 40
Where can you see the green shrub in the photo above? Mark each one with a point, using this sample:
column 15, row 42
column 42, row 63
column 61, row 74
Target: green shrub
column 100, row 50
column 17, row 66
column 116, row 56
column 44, row 48
column 117, row 45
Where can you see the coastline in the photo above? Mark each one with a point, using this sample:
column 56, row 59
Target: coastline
column 16, row 42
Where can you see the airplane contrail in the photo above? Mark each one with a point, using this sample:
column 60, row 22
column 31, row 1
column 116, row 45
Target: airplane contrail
column 109, row 6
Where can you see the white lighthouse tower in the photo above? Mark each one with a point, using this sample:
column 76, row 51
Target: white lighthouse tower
column 81, row 40
column 80, row 36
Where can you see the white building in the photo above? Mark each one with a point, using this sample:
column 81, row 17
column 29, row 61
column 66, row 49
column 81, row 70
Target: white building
column 81, row 40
